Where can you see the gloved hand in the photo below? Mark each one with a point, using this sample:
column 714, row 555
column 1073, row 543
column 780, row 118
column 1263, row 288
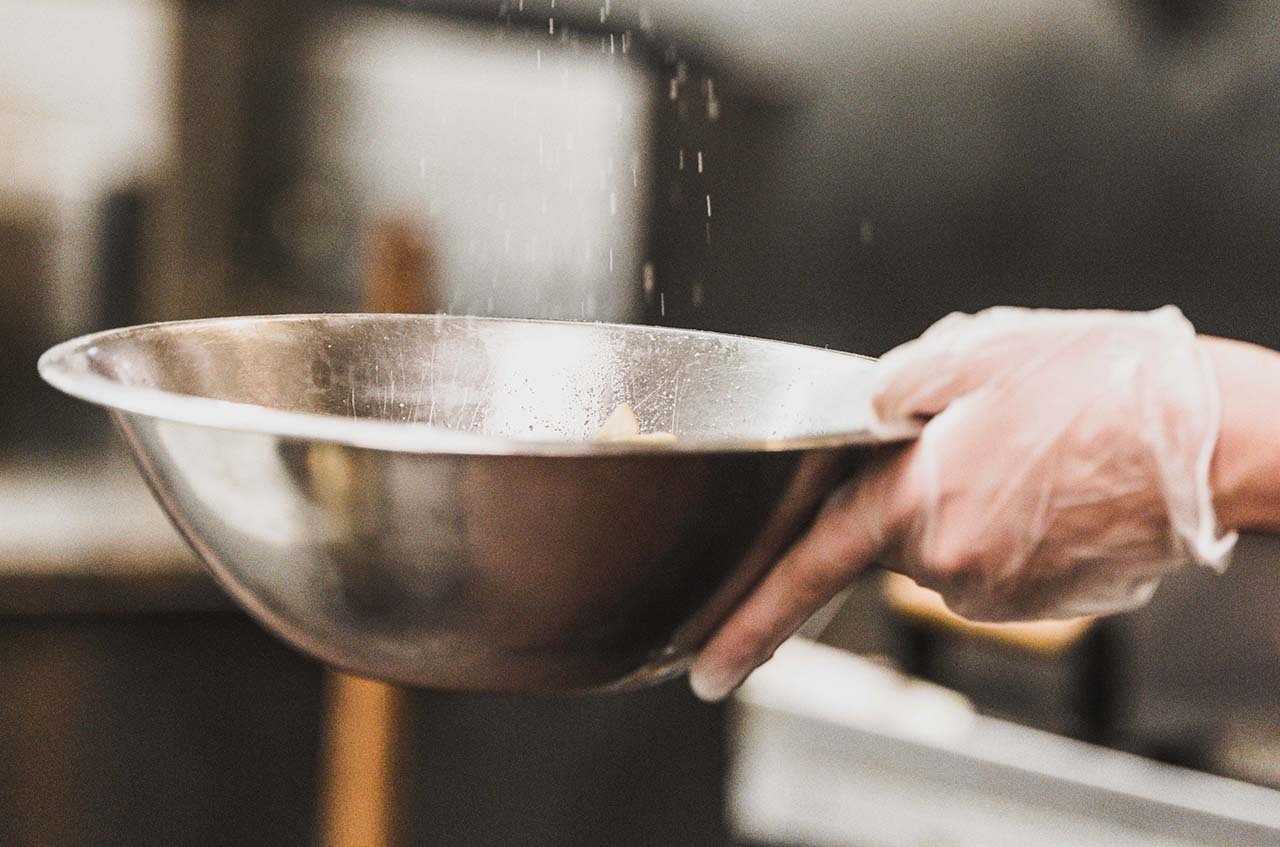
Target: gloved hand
column 1061, row 468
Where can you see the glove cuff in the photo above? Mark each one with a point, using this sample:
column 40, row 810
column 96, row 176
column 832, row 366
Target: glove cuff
column 1186, row 427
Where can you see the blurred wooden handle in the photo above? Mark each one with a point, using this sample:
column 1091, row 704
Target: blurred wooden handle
column 363, row 716
column 925, row 607
column 399, row 273
column 358, row 799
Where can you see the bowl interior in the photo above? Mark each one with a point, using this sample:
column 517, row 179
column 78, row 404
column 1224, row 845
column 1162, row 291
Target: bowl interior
column 507, row 379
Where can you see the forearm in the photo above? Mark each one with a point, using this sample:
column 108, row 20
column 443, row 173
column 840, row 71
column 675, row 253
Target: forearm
column 1245, row 474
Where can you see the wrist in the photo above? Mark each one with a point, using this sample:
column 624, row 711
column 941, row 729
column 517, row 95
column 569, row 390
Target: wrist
column 1245, row 472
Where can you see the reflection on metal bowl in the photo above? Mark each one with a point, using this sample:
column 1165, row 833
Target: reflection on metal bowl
column 419, row 498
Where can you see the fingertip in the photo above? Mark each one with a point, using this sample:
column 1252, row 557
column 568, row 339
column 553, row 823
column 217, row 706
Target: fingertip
column 712, row 683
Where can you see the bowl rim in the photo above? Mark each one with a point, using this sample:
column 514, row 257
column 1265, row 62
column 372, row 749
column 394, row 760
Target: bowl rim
column 396, row 436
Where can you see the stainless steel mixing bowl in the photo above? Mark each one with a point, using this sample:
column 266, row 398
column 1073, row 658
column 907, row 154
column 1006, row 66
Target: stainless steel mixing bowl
column 419, row 498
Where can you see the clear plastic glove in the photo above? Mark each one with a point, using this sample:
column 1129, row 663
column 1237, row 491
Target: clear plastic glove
column 1062, row 467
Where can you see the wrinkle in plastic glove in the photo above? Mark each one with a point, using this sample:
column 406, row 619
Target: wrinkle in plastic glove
column 1062, row 465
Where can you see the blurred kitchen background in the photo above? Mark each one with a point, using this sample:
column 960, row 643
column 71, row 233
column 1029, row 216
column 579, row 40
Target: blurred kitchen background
column 837, row 174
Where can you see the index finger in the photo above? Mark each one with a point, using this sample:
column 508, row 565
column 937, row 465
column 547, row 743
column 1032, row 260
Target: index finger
column 843, row 541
